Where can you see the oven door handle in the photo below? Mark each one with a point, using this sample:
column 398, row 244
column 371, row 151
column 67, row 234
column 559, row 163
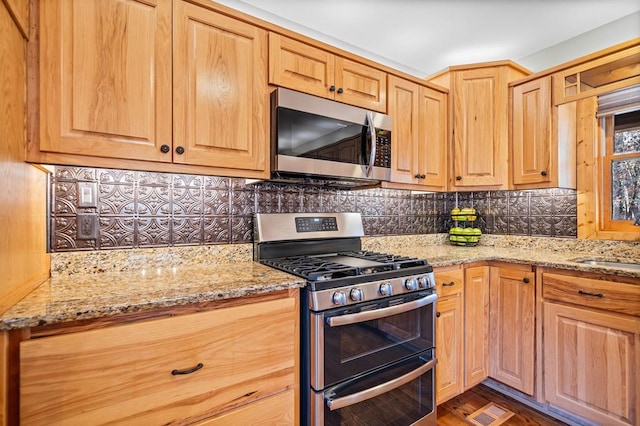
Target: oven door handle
column 380, row 313
column 354, row 398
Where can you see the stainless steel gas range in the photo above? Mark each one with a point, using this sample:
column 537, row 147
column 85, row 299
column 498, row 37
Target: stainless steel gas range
column 367, row 321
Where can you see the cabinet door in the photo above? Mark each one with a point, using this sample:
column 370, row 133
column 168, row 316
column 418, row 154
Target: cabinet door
column 432, row 139
column 591, row 363
column 105, row 78
column 476, row 325
column 360, row 85
column 126, row 374
column 301, row 67
column 531, row 135
column 449, row 334
column 220, row 90
column 480, row 128
column 403, row 108
column 512, row 328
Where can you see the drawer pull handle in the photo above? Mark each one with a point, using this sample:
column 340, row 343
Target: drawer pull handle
column 586, row 293
column 188, row 370
column 451, row 284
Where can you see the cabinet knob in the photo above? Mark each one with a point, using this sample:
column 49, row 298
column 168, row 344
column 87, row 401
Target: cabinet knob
column 340, row 90
column 458, row 177
column 437, row 314
column 525, row 280
column 332, row 88
column 165, row 148
column 543, row 173
column 179, row 150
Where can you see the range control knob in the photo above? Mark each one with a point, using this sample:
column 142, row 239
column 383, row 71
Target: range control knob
column 423, row 282
column 411, row 284
column 339, row 298
column 356, row 295
column 386, row 289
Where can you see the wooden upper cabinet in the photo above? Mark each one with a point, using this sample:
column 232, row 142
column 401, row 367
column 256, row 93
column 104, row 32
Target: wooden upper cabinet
column 105, row 78
column 220, row 96
column 432, row 138
column 543, row 138
column 308, row 69
column 419, row 135
column 403, row 108
column 479, row 109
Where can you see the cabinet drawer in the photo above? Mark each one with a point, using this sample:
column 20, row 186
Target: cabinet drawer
column 275, row 410
column 449, row 282
column 123, row 374
column 599, row 294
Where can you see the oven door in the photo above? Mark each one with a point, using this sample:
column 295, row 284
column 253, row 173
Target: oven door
column 354, row 340
column 401, row 394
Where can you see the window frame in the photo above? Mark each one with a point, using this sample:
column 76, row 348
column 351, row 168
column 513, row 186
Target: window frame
column 590, row 137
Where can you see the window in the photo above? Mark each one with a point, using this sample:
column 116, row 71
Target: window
column 620, row 165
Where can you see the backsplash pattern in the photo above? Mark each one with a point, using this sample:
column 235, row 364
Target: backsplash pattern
column 146, row 209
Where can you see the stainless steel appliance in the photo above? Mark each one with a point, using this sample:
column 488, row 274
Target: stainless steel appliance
column 367, row 321
column 315, row 138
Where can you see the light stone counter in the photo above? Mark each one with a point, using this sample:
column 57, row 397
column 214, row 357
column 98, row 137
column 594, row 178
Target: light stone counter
column 84, row 295
column 95, row 284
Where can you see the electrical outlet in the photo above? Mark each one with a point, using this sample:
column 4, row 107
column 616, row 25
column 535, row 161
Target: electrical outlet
column 87, row 194
column 87, row 226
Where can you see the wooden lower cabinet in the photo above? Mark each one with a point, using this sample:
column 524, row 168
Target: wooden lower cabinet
column 449, row 333
column 592, row 346
column 185, row 369
column 476, row 311
column 512, row 331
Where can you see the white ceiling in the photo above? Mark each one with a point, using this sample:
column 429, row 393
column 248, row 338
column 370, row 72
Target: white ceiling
column 422, row 37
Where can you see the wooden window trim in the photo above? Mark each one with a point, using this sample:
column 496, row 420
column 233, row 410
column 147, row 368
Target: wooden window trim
column 590, row 186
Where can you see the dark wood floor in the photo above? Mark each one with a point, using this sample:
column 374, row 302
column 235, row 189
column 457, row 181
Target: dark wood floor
column 454, row 411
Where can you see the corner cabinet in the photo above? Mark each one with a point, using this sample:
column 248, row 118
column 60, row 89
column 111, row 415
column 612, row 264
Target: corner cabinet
column 146, row 86
column 543, row 138
column 479, row 99
column 512, row 327
column 305, row 68
column 419, row 150
column 449, row 333
column 592, row 346
column 212, row 367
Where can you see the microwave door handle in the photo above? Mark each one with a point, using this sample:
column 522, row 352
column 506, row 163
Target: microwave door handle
column 380, row 313
column 345, row 401
column 372, row 132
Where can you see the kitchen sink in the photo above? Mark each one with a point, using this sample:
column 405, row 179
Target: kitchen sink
column 609, row 262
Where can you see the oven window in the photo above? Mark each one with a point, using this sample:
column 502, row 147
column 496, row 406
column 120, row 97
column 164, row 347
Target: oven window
column 357, row 348
column 301, row 134
column 403, row 405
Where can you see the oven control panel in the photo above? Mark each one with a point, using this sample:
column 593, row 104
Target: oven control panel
column 315, row 224
column 366, row 292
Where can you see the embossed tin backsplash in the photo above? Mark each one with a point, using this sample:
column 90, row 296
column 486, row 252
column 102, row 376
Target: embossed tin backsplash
column 145, row 209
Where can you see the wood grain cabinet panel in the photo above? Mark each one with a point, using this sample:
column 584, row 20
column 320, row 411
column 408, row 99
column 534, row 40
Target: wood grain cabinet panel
column 512, row 328
column 449, row 334
column 419, row 149
column 543, row 138
column 126, row 374
column 476, row 325
column 591, row 363
column 105, row 78
column 315, row 71
column 220, row 97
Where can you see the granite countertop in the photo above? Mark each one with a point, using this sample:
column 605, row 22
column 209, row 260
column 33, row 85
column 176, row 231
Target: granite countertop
column 86, row 285
column 81, row 296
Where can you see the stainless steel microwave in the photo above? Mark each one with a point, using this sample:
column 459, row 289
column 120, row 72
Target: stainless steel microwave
column 316, row 138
